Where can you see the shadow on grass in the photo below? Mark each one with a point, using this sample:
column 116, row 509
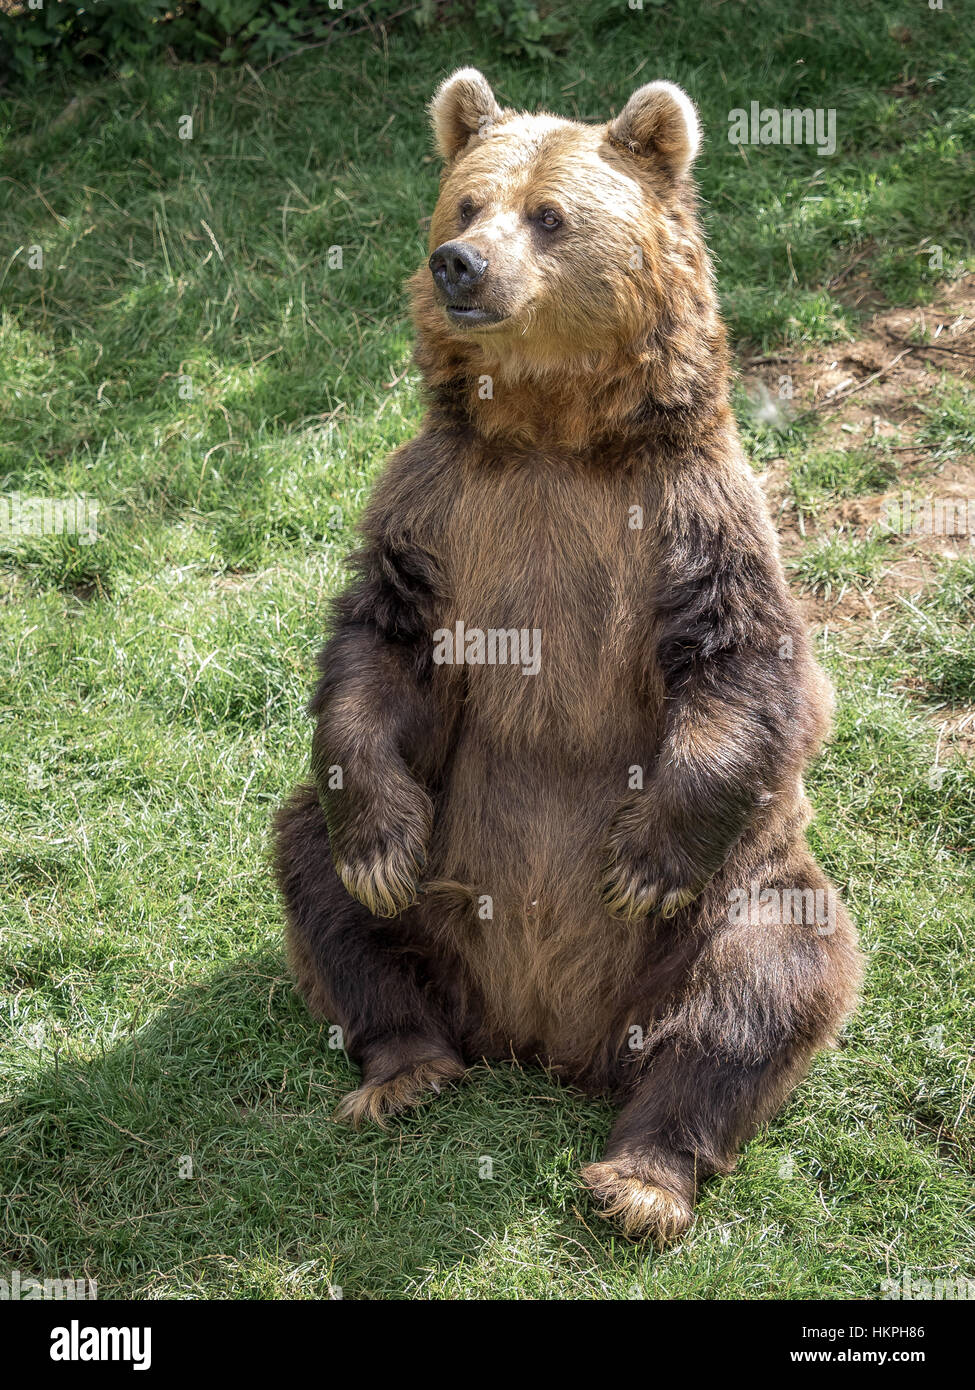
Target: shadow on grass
column 232, row 1085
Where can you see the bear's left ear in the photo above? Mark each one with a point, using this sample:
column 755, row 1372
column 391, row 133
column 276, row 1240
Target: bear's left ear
column 463, row 106
column 659, row 122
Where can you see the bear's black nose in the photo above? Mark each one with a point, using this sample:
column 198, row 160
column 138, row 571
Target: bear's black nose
column 456, row 268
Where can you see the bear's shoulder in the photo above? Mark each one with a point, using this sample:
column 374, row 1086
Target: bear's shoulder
column 416, row 489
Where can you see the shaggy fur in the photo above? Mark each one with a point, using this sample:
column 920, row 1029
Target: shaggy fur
column 545, row 865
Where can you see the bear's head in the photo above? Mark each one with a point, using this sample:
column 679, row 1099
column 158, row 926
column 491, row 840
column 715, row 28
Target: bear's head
column 559, row 248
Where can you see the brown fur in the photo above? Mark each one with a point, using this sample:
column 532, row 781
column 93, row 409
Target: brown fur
column 673, row 646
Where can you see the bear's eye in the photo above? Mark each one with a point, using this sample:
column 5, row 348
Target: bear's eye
column 466, row 211
column 549, row 219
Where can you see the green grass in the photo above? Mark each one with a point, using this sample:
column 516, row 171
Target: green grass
column 151, row 713
column 933, row 645
column 838, row 562
column 949, row 423
column 822, row 476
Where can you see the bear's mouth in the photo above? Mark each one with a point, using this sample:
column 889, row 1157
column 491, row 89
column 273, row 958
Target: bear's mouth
column 473, row 314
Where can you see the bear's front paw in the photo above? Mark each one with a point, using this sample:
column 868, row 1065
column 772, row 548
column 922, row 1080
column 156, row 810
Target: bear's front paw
column 644, row 870
column 380, row 861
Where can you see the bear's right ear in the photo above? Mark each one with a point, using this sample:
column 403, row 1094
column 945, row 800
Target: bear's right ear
column 463, row 106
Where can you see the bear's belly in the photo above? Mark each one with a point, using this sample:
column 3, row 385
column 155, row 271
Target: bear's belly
column 524, row 835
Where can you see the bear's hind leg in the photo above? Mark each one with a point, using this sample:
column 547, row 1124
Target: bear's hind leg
column 721, row 1057
column 361, row 972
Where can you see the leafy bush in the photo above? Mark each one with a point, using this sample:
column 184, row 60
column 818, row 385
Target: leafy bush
column 122, row 33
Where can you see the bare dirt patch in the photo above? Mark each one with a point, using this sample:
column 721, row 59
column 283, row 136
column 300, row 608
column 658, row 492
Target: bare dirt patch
column 874, row 388
column 865, row 392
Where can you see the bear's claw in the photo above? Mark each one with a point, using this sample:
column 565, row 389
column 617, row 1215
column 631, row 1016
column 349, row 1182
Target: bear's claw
column 377, row 1100
column 628, row 894
column 383, row 875
column 642, row 1209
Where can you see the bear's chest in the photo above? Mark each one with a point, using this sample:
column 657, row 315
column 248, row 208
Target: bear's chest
column 546, row 592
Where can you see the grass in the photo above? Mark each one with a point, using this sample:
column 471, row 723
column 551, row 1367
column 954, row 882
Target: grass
column 837, row 562
column 932, row 647
column 949, row 427
column 821, row 476
column 186, row 357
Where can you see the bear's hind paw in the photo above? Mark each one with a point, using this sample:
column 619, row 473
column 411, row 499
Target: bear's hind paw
column 377, row 1100
column 641, row 1209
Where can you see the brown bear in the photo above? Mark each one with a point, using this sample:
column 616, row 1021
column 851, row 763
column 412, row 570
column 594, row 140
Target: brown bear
column 556, row 811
